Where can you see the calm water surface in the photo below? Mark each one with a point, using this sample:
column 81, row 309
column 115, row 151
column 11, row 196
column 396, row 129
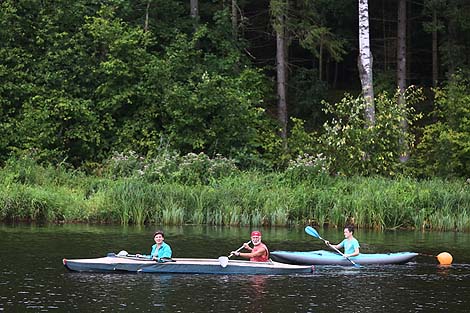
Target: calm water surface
column 33, row 279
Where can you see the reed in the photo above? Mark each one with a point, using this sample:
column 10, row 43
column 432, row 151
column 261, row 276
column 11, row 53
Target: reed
column 233, row 215
column 198, row 217
column 279, row 217
column 218, row 218
column 462, row 221
column 440, row 221
column 173, row 216
column 319, row 207
column 132, row 200
column 256, row 218
column 245, row 219
column 249, row 198
column 420, row 219
column 46, row 204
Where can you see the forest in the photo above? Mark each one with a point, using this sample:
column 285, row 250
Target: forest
column 270, row 101
column 82, row 80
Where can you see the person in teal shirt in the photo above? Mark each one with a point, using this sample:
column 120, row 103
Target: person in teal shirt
column 350, row 244
column 160, row 250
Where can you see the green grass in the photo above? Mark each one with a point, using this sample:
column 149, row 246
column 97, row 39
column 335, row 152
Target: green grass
column 241, row 199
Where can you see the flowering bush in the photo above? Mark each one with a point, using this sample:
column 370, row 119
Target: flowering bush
column 200, row 169
column 124, row 164
column 189, row 169
column 162, row 168
column 221, row 167
column 306, row 166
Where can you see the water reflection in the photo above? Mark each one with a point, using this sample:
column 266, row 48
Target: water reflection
column 443, row 270
column 35, row 279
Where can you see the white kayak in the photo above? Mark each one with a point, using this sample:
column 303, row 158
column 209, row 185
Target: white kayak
column 115, row 263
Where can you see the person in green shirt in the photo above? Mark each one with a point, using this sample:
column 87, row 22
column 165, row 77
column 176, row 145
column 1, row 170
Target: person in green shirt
column 350, row 244
column 160, row 250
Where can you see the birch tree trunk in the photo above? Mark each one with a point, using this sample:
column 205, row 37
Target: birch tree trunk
column 401, row 73
column 146, row 23
column 365, row 62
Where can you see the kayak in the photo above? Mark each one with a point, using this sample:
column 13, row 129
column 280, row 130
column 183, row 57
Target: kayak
column 323, row 257
column 115, row 263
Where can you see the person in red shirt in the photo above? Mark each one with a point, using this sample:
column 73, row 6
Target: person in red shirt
column 259, row 252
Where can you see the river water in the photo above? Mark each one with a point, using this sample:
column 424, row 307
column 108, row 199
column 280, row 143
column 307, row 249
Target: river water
column 33, row 279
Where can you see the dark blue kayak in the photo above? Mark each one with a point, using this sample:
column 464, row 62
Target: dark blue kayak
column 323, row 257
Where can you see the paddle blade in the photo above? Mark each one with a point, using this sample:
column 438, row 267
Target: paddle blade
column 223, row 260
column 356, row 265
column 312, row 232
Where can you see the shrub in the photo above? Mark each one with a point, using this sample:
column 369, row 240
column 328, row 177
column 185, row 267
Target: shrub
column 124, row 164
column 161, row 168
column 355, row 149
column 306, row 167
column 195, row 169
column 445, row 146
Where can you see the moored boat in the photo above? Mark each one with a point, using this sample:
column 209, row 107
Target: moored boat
column 115, row 263
column 323, row 257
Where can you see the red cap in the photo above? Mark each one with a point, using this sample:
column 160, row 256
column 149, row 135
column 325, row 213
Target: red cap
column 255, row 233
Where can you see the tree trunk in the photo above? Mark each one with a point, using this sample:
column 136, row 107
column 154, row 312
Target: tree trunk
column 281, row 82
column 401, row 46
column 335, row 79
column 384, row 31
column 327, row 70
column 435, row 68
column 194, row 9
column 234, row 19
column 401, row 73
column 281, row 67
column 451, row 39
column 146, row 23
column 365, row 62
column 320, row 59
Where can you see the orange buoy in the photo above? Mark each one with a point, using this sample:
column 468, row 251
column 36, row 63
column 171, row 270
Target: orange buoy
column 444, row 258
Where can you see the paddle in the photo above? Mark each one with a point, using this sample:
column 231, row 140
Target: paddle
column 223, row 260
column 312, row 232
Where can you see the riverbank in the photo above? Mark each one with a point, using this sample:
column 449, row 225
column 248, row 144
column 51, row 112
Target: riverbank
column 55, row 194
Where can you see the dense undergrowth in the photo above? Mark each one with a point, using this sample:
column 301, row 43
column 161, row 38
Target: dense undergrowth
column 195, row 189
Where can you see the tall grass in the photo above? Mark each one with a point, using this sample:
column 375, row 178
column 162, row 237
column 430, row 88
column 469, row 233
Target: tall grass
column 241, row 198
column 20, row 202
column 132, row 200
